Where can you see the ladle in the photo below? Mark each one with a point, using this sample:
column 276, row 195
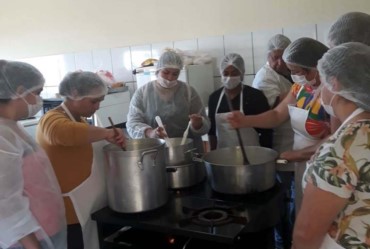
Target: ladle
column 115, row 130
column 160, row 124
column 185, row 135
column 246, row 162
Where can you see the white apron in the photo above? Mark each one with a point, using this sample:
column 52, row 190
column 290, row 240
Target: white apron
column 328, row 242
column 90, row 195
column 226, row 136
column 302, row 139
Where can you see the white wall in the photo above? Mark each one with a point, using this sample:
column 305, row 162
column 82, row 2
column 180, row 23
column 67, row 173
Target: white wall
column 47, row 27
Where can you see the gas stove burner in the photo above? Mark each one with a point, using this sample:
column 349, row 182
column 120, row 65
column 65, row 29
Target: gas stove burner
column 212, row 217
column 213, row 213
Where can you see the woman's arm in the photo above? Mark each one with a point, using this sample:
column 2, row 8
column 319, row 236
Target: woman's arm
column 30, row 242
column 319, row 209
column 267, row 120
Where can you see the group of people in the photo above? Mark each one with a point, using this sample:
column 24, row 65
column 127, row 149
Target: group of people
column 310, row 103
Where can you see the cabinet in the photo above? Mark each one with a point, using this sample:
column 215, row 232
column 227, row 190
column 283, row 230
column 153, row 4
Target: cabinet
column 198, row 76
column 114, row 105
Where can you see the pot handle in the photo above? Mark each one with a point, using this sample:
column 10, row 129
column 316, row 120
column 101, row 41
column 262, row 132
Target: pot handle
column 170, row 169
column 140, row 163
column 191, row 150
column 284, row 165
column 197, row 157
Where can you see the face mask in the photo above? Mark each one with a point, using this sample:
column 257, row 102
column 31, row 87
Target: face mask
column 166, row 83
column 34, row 108
column 231, row 82
column 328, row 108
column 301, row 80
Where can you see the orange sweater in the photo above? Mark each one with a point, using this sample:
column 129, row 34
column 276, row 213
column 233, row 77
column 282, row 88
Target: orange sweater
column 66, row 144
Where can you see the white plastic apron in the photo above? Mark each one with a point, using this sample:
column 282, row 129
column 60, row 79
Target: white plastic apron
column 226, row 136
column 90, row 195
column 328, row 242
column 302, row 139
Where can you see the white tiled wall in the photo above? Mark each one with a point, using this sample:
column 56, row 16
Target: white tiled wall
column 121, row 61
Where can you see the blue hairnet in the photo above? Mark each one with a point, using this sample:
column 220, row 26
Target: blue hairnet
column 170, row 59
column 234, row 60
column 79, row 85
column 304, row 52
column 350, row 27
column 349, row 65
column 15, row 74
column 278, row 41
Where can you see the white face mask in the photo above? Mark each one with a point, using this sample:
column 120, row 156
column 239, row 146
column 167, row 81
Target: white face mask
column 34, row 108
column 230, row 82
column 301, row 80
column 166, row 83
column 328, row 108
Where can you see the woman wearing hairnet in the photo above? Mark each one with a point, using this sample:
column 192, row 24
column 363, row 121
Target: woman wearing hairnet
column 31, row 205
column 309, row 120
column 335, row 209
column 67, row 139
column 175, row 102
column 246, row 99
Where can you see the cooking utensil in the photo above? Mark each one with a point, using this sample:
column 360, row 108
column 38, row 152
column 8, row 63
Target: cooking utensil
column 179, row 154
column 183, row 176
column 160, row 124
column 137, row 177
column 246, row 162
column 185, row 135
column 229, row 175
column 115, row 130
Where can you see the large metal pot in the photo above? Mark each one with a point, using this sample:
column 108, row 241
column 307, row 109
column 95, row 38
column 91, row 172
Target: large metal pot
column 136, row 178
column 177, row 153
column 184, row 176
column 229, row 175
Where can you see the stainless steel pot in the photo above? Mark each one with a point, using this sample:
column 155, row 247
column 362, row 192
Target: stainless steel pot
column 178, row 154
column 228, row 174
column 184, row 176
column 136, row 178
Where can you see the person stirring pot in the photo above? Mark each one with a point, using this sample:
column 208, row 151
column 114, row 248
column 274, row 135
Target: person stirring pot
column 67, row 139
column 174, row 101
column 246, row 99
column 302, row 105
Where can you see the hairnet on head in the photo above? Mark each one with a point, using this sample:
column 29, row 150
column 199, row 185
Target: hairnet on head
column 304, row 52
column 350, row 27
column 278, row 41
column 349, row 64
column 79, row 85
column 15, row 74
column 170, row 59
column 234, row 60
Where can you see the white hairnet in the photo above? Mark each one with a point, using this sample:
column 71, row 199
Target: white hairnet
column 278, row 41
column 304, row 52
column 349, row 64
column 350, row 27
column 79, row 85
column 15, row 74
column 234, row 60
column 170, row 59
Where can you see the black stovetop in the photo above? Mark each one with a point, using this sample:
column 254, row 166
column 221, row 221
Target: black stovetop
column 249, row 213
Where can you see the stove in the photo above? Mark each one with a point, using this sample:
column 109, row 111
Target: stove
column 193, row 217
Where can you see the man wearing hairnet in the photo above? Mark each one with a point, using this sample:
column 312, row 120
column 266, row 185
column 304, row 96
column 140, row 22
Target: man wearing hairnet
column 175, row 102
column 275, row 82
column 67, row 139
column 243, row 98
column 32, row 213
column 335, row 209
